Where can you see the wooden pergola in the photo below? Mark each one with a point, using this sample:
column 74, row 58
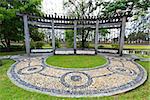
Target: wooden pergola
column 117, row 20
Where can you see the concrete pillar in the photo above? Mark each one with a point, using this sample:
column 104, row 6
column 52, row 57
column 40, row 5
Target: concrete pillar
column 27, row 35
column 96, row 36
column 53, row 37
column 122, row 34
column 75, row 33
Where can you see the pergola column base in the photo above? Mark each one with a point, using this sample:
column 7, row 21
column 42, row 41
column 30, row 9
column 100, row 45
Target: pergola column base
column 96, row 52
column 75, row 51
column 53, row 52
column 120, row 54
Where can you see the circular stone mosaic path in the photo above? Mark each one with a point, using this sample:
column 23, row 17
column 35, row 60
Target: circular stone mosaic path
column 119, row 75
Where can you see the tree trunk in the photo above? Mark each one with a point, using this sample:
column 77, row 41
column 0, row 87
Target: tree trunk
column 7, row 41
column 83, row 42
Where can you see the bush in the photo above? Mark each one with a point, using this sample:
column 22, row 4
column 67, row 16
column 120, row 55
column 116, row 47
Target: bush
column 32, row 44
column 116, row 46
column 0, row 62
column 13, row 48
column 69, row 44
column 57, row 43
column 37, row 44
column 101, row 46
column 86, row 44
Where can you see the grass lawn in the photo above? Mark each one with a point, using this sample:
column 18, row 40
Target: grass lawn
column 11, row 53
column 138, row 47
column 46, row 46
column 76, row 61
column 143, row 56
column 9, row 91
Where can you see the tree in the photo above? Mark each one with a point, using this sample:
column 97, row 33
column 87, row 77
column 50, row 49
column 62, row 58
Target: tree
column 139, row 9
column 36, row 35
column 104, row 33
column 82, row 8
column 138, row 37
column 69, row 37
column 11, row 27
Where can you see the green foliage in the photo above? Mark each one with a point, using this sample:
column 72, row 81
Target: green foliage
column 57, row 43
column 13, row 48
column 103, row 32
column 11, row 25
column 36, row 35
column 86, row 44
column 37, row 44
column 82, row 8
column 69, row 38
column 115, row 46
column 101, row 46
column 0, row 62
column 140, row 7
column 111, row 7
column 12, row 53
column 138, row 36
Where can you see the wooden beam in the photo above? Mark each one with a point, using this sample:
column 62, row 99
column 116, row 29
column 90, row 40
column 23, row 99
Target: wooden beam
column 92, row 25
column 96, row 36
column 70, row 28
column 53, row 37
column 122, row 34
column 27, row 35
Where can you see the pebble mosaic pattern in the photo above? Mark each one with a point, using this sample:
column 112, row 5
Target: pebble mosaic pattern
column 118, row 75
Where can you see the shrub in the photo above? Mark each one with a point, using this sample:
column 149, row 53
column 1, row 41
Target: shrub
column 32, row 44
column 101, row 46
column 86, row 44
column 37, row 44
column 57, row 43
column 13, row 48
column 116, row 46
column 0, row 62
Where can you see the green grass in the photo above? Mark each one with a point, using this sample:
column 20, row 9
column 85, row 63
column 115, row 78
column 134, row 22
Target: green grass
column 137, row 47
column 76, row 61
column 11, row 53
column 143, row 56
column 9, row 91
column 46, row 46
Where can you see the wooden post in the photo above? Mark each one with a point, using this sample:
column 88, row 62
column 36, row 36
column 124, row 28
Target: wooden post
column 75, row 33
column 122, row 34
column 27, row 35
column 96, row 36
column 119, row 39
column 53, row 37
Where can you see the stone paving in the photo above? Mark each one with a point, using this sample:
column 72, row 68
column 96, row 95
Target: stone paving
column 120, row 74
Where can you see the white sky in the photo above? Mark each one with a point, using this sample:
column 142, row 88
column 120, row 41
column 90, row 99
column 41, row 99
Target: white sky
column 52, row 6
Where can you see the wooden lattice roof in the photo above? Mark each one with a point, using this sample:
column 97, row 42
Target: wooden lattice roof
column 66, row 22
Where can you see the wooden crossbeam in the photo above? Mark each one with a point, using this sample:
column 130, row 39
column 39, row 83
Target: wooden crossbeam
column 91, row 25
column 71, row 28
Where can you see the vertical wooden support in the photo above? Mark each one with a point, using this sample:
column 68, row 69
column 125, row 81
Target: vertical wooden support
column 53, row 37
column 96, row 36
column 122, row 34
column 75, row 33
column 27, row 35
